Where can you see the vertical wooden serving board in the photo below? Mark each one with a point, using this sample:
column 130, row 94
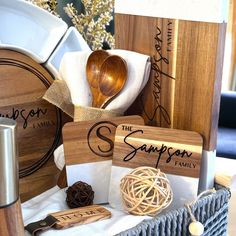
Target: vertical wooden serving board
column 198, row 79
column 189, row 51
column 155, row 37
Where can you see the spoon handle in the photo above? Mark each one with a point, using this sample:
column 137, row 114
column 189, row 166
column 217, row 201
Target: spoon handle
column 95, row 95
column 107, row 101
column 101, row 101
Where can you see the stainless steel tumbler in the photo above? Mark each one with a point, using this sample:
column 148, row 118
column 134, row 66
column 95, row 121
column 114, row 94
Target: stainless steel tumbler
column 10, row 206
column 9, row 177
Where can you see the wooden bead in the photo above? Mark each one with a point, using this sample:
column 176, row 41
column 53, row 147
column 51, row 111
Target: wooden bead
column 196, row 228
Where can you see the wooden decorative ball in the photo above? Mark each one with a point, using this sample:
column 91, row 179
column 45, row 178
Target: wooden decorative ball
column 196, row 228
column 145, row 191
column 79, row 194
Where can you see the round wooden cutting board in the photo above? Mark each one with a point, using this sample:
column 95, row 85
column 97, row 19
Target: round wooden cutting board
column 23, row 82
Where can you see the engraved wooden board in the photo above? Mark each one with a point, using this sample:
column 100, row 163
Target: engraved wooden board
column 69, row 218
column 81, row 216
column 183, row 91
column 173, row 151
column 92, row 141
column 23, row 82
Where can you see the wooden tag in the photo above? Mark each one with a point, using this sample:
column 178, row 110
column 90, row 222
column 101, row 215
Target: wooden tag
column 69, row 218
column 80, row 216
column 92, row 141
column 173, row 151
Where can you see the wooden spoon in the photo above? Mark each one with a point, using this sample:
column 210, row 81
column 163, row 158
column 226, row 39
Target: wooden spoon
column 93, row 66
column 113, row 75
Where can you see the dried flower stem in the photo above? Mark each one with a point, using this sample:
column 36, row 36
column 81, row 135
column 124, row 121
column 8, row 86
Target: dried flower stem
column 49, row 5
column 92, row 23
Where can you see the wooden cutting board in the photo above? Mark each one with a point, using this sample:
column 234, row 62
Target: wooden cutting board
column 88, row 148
column 23, row 82
column 177, row 153
column 183, row 91
column 173, row 151
column 92, row 141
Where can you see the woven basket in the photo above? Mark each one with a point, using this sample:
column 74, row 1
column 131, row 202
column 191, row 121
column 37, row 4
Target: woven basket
column 211, row 211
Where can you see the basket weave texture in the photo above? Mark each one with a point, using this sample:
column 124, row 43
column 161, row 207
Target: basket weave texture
column 211, row 211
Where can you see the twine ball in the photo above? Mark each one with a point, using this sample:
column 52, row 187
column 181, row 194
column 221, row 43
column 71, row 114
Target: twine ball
column 145, row 191
column 79, row 194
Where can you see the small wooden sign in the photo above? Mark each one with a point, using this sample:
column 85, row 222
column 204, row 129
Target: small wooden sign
column 81, row 216
column 92, row 141
column 69, row 218
column 173, row 151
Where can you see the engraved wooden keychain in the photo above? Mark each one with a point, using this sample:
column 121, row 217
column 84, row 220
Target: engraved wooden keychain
column 69, row 218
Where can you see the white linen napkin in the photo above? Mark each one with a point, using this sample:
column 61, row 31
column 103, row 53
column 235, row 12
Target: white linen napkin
column 73, row 71
column 139, row 67
column 59, row 157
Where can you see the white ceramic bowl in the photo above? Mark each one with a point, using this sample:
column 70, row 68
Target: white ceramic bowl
column 71, row 42
column 27, row 28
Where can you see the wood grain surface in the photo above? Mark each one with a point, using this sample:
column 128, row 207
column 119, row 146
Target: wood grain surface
column 113, row 76
column 155, row 37
column 198, row 79
column 92, row 141
column 183, row 91
column 80, row 216
column 173, row 151
column 93, row 66
column 11, row 220
column 62, row 178
column 23, row 82
column 40, row 181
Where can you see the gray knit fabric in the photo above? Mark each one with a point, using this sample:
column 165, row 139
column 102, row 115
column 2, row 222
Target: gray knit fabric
column 211, row 211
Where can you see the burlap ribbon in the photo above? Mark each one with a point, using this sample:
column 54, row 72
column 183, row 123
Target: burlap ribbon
column 59, row 95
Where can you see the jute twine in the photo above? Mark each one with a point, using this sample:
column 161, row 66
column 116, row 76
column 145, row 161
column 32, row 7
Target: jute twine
column 59, row 95
column 146, row 191
column 92, row 113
